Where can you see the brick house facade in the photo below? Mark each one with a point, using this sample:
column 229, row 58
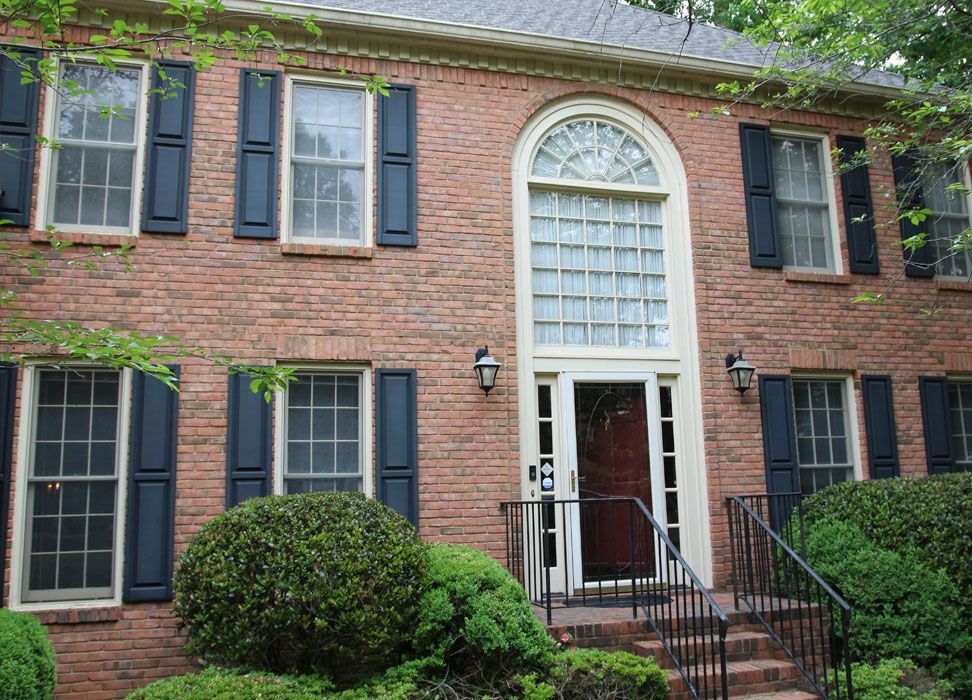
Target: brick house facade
column 346, row 309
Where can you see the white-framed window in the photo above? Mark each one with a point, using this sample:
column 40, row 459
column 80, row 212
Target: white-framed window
column 960, row 405
column 805, row 206
column 823, row 414
column 949, row 217
column 70, row 500
column 98, row 117
column 328, row 166
column 324, row 432
column 597, row 240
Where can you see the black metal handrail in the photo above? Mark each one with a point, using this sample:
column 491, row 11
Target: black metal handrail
column 799, row 610
column 612, row 551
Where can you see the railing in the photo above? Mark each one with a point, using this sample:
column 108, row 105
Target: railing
column 797, row 607
column 612, row 551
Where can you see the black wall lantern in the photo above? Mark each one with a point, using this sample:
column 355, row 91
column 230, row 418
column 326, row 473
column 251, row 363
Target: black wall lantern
column 740, row 371
column 486, row 368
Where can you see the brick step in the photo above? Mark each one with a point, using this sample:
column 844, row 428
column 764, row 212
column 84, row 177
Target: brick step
column 741, row 645
column 785, row 695
column 759, row 676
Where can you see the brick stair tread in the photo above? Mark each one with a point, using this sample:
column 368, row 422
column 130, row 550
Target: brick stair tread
column 745, row 677
column 783, row 695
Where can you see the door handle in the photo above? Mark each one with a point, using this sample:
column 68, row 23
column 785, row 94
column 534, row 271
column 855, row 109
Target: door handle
column 573, row 481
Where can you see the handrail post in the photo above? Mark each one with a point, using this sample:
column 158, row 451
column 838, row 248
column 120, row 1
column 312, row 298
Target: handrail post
column 732, row 555
column 723, row 629
column 631, row 560
column 845, row 640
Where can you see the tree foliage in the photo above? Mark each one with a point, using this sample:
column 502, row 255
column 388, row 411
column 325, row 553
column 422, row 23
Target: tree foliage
column 820, row 50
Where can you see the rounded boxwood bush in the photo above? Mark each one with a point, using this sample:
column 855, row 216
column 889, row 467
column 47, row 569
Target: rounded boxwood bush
column 900, row 607
column 591, row 673
column 309, row 583
column 895, row 678
column 930, row 516
column 27, row 664
column 233, row 684
column 475, row 613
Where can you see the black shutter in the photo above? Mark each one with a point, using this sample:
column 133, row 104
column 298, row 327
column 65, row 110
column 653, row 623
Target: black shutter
column 882, row 437
column 149, row 537
column 779, row 436
column 397, row 188
column 257, row 154
column 166, row 207
column 8, row 396
column 856, row 188
column 396, row 433
column 911, row 195
column 248, row 442
column 760, row 183
column 936, row 418
column 18, row 124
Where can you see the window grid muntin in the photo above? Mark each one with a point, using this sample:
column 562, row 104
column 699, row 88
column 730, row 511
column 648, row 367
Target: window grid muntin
column 59, row 483
column 321, row 480
column 948, row 218
column 633, row 161
column 322, row 164
column 592, row 262
column 960, row 406
column 88, row 148
column 813, row 205
column 830, row 398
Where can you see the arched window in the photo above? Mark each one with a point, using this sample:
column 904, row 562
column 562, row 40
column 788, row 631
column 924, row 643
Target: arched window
column 597, row 240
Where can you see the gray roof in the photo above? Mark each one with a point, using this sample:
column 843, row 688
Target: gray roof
column 603, row 22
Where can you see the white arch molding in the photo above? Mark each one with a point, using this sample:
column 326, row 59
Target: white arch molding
column 679, row 361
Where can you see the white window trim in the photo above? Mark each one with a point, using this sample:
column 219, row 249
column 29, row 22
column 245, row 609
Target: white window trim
column 681, row 360
column 366, row 409
column 18, row 558
column 852, row 427
column 45, row 194
column 967, row 181
column 831, row 193
column 368, row 198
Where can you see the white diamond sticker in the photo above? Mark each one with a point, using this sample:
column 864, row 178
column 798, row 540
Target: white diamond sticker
column 546, row 469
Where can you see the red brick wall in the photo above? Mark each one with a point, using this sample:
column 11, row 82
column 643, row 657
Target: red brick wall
column 431, row 306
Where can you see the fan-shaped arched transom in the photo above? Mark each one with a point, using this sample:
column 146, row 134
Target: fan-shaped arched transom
column 593, row 150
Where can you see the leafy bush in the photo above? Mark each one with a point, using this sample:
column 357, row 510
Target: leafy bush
column 412, row 679
column 310, row 583
column 27, row 664
column 590, row 673
column 930, row 516
column 901, row 608
column 229, row 684
column 475, row 613
column 895, row 678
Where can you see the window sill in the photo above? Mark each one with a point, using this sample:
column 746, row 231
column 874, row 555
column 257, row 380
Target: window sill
column 331, row 251
column 78, row 616
column 954, row 285
column 815, row 277
column 77, row 238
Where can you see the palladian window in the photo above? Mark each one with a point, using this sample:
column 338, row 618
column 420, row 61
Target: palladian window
column 597, row 240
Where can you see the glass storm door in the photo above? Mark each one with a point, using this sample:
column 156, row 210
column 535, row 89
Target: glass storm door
column 613, row 439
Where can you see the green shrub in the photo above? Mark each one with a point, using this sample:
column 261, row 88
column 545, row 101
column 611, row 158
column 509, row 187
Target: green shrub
column 901, row 608
column 895, row 678
column 930, row 516
column 229, row 684
column 27, row 664
column 310, row 583
column 474, row 612
column 412, row 679
column 588, row 673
